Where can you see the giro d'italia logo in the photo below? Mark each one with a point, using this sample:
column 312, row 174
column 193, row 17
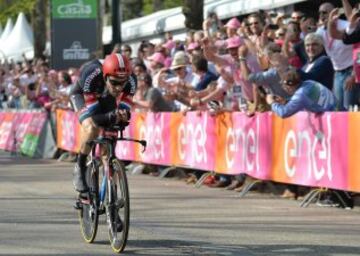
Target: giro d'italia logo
column 76, row 52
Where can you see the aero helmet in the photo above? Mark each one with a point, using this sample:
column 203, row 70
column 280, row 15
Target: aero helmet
column 116, row 64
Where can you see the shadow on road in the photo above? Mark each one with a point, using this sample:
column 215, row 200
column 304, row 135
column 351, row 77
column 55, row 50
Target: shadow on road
column 191, row 248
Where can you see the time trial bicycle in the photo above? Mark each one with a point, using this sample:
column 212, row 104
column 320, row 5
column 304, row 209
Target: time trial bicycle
column 108, row 191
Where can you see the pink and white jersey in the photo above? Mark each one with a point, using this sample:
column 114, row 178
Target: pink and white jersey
column 254, row 67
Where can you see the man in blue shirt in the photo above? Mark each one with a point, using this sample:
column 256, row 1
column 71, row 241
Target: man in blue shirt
column 306, row 95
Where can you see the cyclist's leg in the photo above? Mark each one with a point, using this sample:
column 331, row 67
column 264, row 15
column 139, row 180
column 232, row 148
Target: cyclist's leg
column 89, row 131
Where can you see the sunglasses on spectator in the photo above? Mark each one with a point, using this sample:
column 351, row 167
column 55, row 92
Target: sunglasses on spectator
column 177, row 69
column 125, row 50
column 288, row 82
column 323, row 12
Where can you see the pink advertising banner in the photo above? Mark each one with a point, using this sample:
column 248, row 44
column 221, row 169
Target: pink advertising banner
column 244, row 144
column 311, row 150
column 16, row 126
column 193, row 140
column 305, row 149
column 7, row 136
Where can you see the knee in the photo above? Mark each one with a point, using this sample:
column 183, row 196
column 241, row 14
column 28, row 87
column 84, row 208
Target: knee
column 88, row 126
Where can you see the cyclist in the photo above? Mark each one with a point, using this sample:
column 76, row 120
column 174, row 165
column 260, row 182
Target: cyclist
column 102, row 98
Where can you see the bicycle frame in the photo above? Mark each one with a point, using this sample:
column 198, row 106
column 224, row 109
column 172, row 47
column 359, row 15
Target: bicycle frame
column 108, row 195
column 109, row 140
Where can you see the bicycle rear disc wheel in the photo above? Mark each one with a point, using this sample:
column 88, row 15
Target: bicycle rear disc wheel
column 119, row 207
column 89, row 215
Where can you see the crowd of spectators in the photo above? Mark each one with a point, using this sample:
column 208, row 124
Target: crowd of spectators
column 265, row 61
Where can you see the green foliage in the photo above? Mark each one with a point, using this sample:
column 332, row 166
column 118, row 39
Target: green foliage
column 148, row 5
column 172, row 3
column 10, row 9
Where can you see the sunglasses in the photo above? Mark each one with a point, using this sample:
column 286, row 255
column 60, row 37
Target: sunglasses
column 288, row 82
column 323, row 12
column 178, row 69
column 117, row 83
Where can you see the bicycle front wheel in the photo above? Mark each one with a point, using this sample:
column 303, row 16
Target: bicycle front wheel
column 89, row 215
column 119, row 208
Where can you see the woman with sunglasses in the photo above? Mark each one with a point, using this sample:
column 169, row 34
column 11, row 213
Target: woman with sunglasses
column 102, row 98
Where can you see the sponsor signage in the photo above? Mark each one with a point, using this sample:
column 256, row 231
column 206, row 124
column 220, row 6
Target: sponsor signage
column 74, row 32
column 74, row 9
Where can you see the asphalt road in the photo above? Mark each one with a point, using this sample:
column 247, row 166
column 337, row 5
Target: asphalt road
column 168, row 218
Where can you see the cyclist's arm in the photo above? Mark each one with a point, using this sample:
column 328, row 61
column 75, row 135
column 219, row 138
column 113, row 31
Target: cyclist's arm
column 91, row 109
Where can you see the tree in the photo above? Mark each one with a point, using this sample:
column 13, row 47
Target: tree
column 39, row 27
column 151, row 6
column 158, row 5
column 132, row 9
column 193, row 12
column 11, row 8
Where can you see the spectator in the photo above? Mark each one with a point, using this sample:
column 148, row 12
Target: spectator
column 126, row 50
column 292, row 38
column 269, row 79
column 340, row 55
column 138, row 67
column 156, row 62
column 212, row 25
column 349, row 36
column 200, row 67
column 182, row 83
column 307, row 25
column 145, row 51
column 14, row 93
column 305, row 96
column 149, row 98
column 231, row 27
column 319, row 67
column 280, row 36
column 296, row 16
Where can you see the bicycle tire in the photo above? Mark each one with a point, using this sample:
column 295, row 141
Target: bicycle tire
column 89, row 214
column 122, row 207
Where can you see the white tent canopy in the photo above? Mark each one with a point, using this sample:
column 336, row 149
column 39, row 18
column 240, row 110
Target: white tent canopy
column 20, row 41
column 8, row 28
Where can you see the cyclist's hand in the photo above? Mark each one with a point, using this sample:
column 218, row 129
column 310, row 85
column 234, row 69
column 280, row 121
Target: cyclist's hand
column 122, row 115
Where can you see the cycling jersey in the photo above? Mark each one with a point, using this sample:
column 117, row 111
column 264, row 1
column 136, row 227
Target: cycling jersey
column 90, row 97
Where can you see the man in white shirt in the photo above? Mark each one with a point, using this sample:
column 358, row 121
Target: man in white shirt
column 340, row 55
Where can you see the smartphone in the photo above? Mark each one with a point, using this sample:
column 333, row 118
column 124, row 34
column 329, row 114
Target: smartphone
column 341, row 11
